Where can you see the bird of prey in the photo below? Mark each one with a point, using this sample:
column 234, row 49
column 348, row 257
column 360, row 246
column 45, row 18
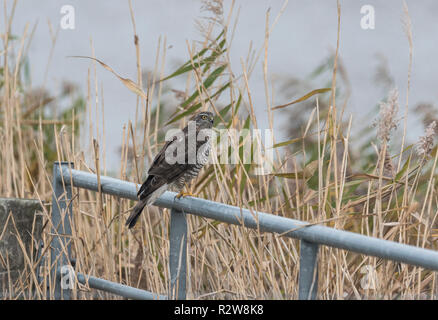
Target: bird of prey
column 164, row 174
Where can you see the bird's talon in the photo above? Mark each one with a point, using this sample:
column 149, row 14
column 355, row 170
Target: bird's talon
column 184, row 194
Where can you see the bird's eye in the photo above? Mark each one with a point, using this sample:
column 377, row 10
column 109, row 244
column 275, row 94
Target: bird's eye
column 204, row 117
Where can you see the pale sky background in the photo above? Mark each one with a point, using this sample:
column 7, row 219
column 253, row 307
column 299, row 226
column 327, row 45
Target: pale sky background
column 303, row 37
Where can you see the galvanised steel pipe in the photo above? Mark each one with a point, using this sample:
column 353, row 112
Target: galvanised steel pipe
column 308, row 276
column 266, row 222
column 178, row 255
column 60, row 245
column 116, row 288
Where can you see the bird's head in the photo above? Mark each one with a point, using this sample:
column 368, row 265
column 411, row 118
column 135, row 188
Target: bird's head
column 204, row 119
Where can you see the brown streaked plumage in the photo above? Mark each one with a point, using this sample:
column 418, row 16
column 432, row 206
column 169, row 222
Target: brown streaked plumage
column 164, row 176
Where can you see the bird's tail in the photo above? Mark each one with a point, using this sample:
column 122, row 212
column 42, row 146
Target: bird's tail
column 151, row 189
column 135, row 213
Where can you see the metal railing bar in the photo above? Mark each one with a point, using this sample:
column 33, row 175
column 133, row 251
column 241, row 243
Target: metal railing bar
column 308, row 276
column 267, row 222
column 178, row 255
column 60, row 247
column 116, row 288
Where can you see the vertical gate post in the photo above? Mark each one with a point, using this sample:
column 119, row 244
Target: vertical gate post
column 61, row 230
column 178, row 255
column 308, row 278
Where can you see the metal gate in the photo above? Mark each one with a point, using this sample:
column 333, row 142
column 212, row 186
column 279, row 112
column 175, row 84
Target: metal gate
column 311, row 236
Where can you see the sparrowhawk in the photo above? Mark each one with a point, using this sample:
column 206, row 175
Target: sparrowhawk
column 166, row 174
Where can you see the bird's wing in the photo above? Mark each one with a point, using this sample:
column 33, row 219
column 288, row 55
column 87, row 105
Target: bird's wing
column 159, row 159
column 160, row 167
column 171, row 171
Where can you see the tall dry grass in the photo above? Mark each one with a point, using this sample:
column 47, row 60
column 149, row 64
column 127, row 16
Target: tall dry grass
column 315, row 179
